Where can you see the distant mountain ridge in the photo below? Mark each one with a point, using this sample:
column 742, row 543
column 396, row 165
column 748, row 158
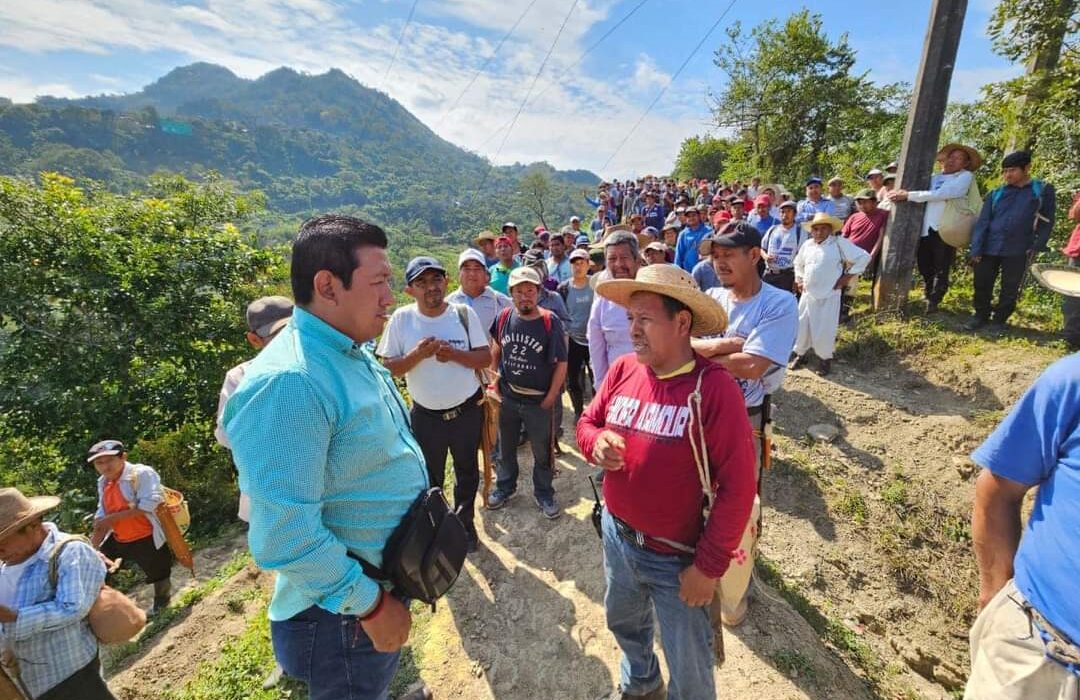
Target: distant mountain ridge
column 310, row 142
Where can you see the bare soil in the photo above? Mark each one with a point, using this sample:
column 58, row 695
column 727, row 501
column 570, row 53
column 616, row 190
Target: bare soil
column 872, row 529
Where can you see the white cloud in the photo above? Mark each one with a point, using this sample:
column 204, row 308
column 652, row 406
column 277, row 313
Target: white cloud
column 19, row 89
column 647, row 76
column 433, row 67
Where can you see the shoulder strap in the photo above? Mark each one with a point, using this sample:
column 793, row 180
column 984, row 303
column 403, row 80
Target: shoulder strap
column 995, row 195
column 698, row 445
column 54, row 557
column 564, row 290
column 463, row 318
column 500, row 323
column 546, row 315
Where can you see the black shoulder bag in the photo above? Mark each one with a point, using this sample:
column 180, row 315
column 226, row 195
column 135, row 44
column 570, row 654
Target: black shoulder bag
column 425, row 552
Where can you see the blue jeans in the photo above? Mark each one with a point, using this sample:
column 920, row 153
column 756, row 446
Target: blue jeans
column 537, row 421
column 333, row 655
column 639, row 581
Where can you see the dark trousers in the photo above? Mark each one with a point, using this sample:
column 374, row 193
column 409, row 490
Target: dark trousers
column 1011, row 268
column 461, row 438
column 84, row 684
column 577, row 356
column 1070, row 308
column 935, row 259
column 516, row 413
column 156, row 562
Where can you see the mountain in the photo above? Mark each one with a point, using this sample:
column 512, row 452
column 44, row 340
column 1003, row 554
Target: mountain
column 311, row 143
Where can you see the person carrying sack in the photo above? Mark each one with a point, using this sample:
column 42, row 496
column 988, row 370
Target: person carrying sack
column 665, row 422
column 45, row 624
column 322, row 441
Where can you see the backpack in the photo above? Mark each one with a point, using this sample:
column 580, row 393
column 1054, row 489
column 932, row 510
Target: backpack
column 1036, row 189
column 114, row 617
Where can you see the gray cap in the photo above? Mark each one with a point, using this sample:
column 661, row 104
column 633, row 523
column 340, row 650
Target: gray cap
column 267, row 315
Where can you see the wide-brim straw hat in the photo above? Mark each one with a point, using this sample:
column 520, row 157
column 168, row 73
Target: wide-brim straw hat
column 823, row 218
column 670, row 281
column 974, row 156
column 17, row 510
column 643, row 239
column 1062, row 279
column 820, row 218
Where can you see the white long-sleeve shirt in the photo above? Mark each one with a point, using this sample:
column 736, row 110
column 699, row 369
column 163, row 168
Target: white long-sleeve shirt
column 942, row 187
column 608, row 335
column 820, row 265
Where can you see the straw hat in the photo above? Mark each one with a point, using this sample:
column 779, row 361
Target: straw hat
column 670, row 281
column 1062, row 279
column 823, row 218
column 17, row 510
column 973, row 155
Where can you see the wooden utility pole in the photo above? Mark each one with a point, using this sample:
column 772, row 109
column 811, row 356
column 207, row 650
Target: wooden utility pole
column 917, row 154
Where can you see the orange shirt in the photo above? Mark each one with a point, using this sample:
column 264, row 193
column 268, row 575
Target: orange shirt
column 128, row 529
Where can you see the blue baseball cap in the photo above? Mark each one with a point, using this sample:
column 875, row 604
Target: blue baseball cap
column 420, row 265
column 582, row 239
column 813, row 180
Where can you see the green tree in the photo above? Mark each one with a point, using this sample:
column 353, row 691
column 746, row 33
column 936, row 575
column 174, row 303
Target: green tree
column 119, row 316
column 702, row 157
column 793, row 100
column 535, row 193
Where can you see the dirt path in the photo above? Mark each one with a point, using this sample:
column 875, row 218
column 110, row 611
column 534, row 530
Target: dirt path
column 870, row 528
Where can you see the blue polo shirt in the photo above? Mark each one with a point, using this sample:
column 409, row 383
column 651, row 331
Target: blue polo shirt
column 686, row 249
column 1038, row 444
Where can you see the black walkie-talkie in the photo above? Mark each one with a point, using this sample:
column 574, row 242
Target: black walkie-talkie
column 597, row 510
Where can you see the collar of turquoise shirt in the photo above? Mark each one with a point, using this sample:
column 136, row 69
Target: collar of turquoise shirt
column 312, row 326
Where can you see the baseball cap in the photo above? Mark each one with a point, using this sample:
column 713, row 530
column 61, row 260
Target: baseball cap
column 420, row 265
column 814, row 180
column 579, row 253
column 866, row 193
column 658, row 246
column 790, row 204
column 889, row 176
column 872, row 172
column 523, row 274
column 103, row 448
column 740, row 235
column 471, row 254
column 504, row 239
column 539, row 229
column 268, row 315
column 509, row 224
column 763, row 199
column 651, row 232
column 575, row 219
column 582, row 239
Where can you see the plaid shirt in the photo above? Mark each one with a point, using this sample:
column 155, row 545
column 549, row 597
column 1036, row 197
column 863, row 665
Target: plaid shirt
column 51, row 637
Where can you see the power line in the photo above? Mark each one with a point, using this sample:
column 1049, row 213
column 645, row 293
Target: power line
column 669, row 83
column 575, row 64
column 484, row 66
column 528, row 94
column 393, row 59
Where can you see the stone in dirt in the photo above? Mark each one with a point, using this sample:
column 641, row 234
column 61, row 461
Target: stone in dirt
column 823, row 432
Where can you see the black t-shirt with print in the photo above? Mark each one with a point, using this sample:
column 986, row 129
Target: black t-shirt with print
column 530, row 351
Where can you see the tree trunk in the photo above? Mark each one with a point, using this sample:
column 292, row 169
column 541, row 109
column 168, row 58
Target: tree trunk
column 1040, row 71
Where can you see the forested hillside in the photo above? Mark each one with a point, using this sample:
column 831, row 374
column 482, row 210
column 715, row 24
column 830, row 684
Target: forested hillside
column 310, row 143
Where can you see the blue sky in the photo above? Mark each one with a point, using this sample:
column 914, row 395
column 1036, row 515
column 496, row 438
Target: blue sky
column 580, row 109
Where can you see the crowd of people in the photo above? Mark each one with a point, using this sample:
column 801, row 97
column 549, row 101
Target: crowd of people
column 671, row 319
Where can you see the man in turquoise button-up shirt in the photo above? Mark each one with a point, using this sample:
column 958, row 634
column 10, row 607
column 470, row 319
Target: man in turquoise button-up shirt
column 322, row 442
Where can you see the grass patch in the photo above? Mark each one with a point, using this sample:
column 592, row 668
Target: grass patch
column 793, row 664
column 851, row 504
column 180, row 605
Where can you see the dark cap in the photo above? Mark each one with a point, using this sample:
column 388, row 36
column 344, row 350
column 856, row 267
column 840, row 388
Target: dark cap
column 1016, row 159
column 420, row 265
column 814, row 180
column 268, row 315
column 737, row 235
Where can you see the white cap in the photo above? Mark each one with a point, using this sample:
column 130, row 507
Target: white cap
column 471, row 254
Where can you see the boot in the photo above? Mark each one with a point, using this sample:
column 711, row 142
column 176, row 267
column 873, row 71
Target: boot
column 162, row 595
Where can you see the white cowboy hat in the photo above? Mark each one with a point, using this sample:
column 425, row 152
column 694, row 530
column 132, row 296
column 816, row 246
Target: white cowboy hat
column 669, row 281
column 1058, row 278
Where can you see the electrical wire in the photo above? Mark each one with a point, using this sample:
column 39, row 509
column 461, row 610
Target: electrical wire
column 393, row 59
column 481, row 69
column 575, row 64
column 528, row 94
column 669, row 83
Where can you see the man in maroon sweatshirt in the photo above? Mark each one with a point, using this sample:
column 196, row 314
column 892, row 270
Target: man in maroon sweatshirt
column 660, row 550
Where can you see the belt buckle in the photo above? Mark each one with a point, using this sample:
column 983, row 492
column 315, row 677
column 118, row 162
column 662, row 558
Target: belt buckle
column 451, row 415
column 639, row 538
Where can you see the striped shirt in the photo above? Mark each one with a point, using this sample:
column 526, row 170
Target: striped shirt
column 51, row 636
column 322, row 441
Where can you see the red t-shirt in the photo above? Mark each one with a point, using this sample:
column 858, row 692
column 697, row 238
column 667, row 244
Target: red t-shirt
column 658, row 491
column 1072, row 247
column 864, row 231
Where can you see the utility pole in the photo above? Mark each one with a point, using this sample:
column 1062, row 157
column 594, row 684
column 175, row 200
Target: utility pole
column 917, row 154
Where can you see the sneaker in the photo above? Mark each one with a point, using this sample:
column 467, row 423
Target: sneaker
column 975, row 323
column 417, row 691
column 797, row 362
column 498, row 499
column 824, row 367
column 273, row 678
column 548, row 507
